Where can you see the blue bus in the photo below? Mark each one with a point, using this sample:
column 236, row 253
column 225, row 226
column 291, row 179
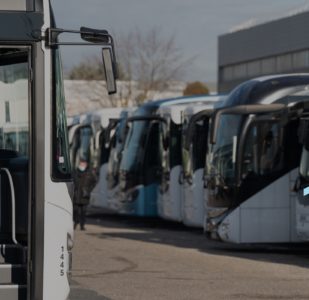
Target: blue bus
column 140, row 169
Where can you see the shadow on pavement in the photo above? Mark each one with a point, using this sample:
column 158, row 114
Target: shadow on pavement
column 155, row 230
column 80, row 293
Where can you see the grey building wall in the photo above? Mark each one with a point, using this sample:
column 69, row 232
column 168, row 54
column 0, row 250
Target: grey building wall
column 274, row 47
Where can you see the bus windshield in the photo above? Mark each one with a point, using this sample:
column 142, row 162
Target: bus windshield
column 134, row 146
column 194, row 157
column 115, row 155
column 221, row 161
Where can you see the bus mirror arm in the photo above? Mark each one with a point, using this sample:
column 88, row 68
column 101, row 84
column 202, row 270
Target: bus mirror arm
column 92, row 37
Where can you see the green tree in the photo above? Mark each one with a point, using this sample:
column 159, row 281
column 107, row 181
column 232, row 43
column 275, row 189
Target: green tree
column 195, row 88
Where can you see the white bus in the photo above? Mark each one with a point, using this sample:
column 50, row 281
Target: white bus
column 170, row 196
column 194, row 148
column 36, row 228
column 169, row 190
column 140, row 171
column 253, row 161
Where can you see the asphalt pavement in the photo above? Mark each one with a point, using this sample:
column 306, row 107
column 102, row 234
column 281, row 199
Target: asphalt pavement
column 120, row 257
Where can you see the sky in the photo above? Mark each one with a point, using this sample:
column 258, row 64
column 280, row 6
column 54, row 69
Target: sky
column 196, row 24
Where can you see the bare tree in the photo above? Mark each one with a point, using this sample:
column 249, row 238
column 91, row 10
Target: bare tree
column 151, row 59
column 148, row 62
column 88, row 69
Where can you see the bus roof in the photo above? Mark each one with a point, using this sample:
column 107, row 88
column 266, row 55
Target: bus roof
column 266, row 89
column 152, row 106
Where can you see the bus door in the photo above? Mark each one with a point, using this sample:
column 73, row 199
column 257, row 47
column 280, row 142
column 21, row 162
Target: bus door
column 15, row 173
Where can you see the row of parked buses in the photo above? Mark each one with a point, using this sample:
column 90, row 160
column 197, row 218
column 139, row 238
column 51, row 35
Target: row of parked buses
column 236, row 165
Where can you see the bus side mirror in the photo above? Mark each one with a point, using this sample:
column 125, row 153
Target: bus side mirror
column 108, row 132
column 165, row 138
column 109, row 70
column 123, row 132
column 94, row 35
column 189, row 135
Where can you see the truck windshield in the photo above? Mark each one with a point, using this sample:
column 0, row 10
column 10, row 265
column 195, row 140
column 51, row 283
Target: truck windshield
column 220, row 161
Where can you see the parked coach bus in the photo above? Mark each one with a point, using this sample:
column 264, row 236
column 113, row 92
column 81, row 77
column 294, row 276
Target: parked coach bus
column 194, row 149
column 253, row 161
column 36, row 229
column 140, row 166
column 170, row 192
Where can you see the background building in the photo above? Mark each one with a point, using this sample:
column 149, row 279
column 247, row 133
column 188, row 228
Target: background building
column 88, row 95
column 280, row 46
